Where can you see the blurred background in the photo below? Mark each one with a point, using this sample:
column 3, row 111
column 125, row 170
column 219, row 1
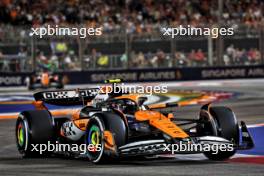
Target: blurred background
column 132, row 37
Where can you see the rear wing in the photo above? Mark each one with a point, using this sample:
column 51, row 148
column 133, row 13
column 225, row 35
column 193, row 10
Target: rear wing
column 67, row 97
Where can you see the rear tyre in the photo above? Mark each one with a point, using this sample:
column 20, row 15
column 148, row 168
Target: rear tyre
column 34, row 127
column 60, row 84
column 225, row 123
column 98, row 124
column 30, row 83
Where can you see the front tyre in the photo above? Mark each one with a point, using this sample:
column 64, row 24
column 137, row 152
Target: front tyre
column 227, row 127
column 95, row 139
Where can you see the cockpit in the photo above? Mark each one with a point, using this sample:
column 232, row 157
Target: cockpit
column 128, row 106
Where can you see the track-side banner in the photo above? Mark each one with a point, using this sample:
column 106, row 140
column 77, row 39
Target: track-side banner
column 147, row 75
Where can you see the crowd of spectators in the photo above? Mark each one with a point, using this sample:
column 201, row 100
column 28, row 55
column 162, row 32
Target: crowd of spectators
column 195, row 58
column 237, row 56
column 136, row 15
column 161, row 59
column 54, row 62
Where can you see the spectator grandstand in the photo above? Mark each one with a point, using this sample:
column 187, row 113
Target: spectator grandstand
column 128, row 26
column 138, row 16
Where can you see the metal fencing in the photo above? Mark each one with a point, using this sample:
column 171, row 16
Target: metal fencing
column 121, row 49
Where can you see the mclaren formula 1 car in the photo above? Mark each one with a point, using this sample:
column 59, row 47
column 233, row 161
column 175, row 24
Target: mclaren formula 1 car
column 44, row 80
column 117, row 126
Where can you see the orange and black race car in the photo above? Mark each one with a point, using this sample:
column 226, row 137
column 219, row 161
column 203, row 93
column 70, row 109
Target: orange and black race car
column 44, row 80
column 115, row 126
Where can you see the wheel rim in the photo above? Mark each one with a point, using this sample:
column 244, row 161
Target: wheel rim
column 94, row 137
column 21, row 134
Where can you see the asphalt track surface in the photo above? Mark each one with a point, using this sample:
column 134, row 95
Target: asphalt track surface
column 248, row 106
